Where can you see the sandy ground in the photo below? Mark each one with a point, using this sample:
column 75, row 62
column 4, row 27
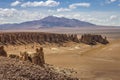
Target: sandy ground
column 100, row 62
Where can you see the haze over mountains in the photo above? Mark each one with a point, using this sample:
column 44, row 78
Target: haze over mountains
column 47, row 22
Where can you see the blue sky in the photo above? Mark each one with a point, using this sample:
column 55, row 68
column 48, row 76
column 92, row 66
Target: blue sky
column 101, row 12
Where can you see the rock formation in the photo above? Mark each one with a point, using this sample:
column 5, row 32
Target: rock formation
column 36, row 58
column 35, row 37
column 14, row 69
column 13, row 56
column 3, row 52
column 93, row 39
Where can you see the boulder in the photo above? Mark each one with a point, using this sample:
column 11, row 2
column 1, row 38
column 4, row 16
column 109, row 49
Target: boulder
column 3, row 52
column 13, row 56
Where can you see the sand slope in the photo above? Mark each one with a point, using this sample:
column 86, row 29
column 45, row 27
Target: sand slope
column 101, row 62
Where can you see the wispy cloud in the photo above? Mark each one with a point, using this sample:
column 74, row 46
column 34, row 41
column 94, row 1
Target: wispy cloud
column 48, row 3
column 113, row 0
column 110, row 1
column 113, row 17
column 6, row 12
column 15, row 3
column 63, row 9
column 12, row 15
column 75, row 5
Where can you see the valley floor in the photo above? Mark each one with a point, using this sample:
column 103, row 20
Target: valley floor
column 100, row 62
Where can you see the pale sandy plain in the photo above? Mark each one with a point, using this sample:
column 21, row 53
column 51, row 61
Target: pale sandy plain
column 100, row 62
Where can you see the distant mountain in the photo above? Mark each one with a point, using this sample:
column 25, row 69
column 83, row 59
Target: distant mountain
column 48, row 22
column 52, row 21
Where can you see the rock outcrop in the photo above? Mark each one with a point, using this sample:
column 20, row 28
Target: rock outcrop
column 36, row 58
column 35, row 37
column 13, row 56
column 19, row 38
column 24, row 56
column 93, row 39
column 15, row 69
column 3, row 52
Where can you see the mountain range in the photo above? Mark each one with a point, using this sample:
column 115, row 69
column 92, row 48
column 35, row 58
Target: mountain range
column 47, row 22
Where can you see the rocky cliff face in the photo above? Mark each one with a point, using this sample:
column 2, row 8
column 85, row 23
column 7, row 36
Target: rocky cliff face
column 15, row 38
column 93, row 39
column 32, row 37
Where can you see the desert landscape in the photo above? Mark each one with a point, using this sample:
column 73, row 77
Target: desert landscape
column 59, row 39
column 86, row 61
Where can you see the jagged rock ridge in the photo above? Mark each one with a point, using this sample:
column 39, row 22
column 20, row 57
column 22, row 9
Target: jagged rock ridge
column 35, row 37
column 92, row 39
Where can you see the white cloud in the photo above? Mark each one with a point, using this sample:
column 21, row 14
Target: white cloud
column 110, row 1
column 51, row 11
column 113, row 0
column 7, row 12
column 63, row 9
column 118, row 4
column 11, row 15
column 75, row 5
column 48, row 3
column 113, row 17
column 15, row 3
